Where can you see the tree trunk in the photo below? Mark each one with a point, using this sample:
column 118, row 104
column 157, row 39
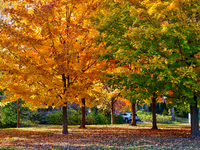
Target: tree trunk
column 173, row 114
column 64, row 119
column 194, row 120
column 154, row 113
column 65, row 127
column 18, row 113
column 83, row 114
column 138, row 106
column 112, row 111
column 133, row 123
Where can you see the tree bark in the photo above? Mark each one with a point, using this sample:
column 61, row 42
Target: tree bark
column 154, row 113
column 173, row 114
column 18, row 113
column 138, row 106
column 194, row 119
column 133, row 123
column 83, row 114
column 112, row 111
column 65, row 85
column 65, row 127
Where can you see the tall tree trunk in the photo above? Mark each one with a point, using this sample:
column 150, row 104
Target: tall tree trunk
column 194, row 119
column 83, row 114
column 112, row 111
column 173, row 114
column 18, row 113
column 133, row 123
column 65, row 127
column 138, row 106
column 65, row 85
column 154, row 113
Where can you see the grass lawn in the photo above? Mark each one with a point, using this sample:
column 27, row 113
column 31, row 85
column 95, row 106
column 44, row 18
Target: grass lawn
column 169, row 136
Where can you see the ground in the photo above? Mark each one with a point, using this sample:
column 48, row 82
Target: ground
column 100, row 137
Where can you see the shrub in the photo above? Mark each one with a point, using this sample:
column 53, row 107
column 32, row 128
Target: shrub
column 55, row 118
column 119, row 119
column 91, row 118
column 8, row 114
column 147, row 116
column 73, row 117
column 164, row 112
column 39, row 117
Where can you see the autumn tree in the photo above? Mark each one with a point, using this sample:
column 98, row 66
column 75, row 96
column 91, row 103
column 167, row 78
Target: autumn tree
column 47, row 54
column 170, row 32
column 127, row 38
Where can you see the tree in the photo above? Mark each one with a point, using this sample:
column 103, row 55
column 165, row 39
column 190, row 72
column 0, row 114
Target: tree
column 127, row 41
column 48, row 52
column 170, row 28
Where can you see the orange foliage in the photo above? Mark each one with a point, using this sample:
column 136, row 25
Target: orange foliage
column 48, row 56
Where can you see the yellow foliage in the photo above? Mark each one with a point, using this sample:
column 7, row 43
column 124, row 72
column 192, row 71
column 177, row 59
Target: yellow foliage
column 49, row 57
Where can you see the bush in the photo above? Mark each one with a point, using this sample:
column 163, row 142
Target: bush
column 73, row 117
column 147, row 116
column 91, row 118
column 55, row 118
column 165, row 112
column 39, row 117
column 119, row 119
column 103, row 119
column 8, row 114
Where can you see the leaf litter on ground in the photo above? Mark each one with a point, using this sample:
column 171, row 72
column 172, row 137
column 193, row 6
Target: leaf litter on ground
column 99, row 137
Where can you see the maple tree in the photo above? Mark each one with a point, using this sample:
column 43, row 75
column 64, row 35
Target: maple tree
column 179, row 32
column 137, row 73
column 169, row 30
column 112, row 25
column 47, row 53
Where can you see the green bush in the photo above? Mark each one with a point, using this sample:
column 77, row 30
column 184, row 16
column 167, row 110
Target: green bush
column 91, row 118
column 74, row 118
column 8, row 114
column 165, row 112
column 55, row 118
column 119, row 119
column 103, row 119
column 147, row 116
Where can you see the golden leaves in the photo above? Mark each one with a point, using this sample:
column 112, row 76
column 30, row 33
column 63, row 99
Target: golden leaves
column 47, row 43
